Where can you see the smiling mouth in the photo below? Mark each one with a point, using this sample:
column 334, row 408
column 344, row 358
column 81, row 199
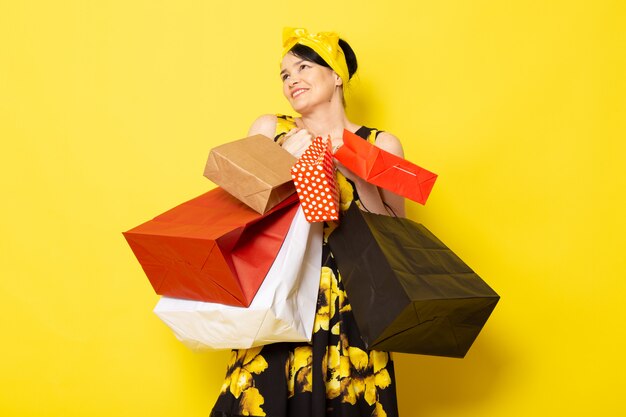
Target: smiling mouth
column 298, row 93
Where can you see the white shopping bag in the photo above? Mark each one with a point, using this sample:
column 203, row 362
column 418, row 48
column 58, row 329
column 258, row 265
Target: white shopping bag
column 283, row 309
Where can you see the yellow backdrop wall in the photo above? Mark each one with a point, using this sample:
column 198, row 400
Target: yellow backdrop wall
column 107, row 113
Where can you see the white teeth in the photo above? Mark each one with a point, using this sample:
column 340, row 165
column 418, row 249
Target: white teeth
column 297, row 93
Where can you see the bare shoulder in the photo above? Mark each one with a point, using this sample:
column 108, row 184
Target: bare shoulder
column 389, row 143
column 264, row 125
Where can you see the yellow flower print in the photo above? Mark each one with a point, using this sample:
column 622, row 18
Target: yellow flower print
column 323, row 313
column 351, row 373
column 379, row 360
column 379, row 411
column 344, row 305
column 330, row 367
column 240, row 382
column 345, row 190
column 300, row 370
column 328, row 229
column 250, row 404
column 369, row 372
column 359, row 358
column 284, row 124
column 330, row 299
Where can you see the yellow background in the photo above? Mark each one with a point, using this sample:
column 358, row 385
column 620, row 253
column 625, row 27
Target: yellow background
column 108, row 110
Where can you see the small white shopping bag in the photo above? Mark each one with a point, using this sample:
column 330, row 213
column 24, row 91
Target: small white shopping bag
column 283, row 309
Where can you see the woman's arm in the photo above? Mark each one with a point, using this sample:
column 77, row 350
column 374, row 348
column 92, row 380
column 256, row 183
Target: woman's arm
column 264, row 125
column 388, row 142
column 296, row 141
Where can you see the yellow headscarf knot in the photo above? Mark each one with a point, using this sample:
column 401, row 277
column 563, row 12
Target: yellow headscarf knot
column 326, row 44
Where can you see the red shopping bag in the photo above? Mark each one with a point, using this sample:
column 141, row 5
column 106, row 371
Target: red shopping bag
column 212, row 248
column 314, row 177
column 384, row 169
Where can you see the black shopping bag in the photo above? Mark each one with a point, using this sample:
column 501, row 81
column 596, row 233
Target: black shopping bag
column 409, row 292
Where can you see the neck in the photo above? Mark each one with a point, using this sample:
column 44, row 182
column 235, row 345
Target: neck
column 328, row 119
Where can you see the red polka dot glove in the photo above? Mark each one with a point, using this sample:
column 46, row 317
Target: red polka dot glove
column 314, row 178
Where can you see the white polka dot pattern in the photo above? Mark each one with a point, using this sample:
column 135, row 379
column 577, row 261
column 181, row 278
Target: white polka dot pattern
column 314, row 178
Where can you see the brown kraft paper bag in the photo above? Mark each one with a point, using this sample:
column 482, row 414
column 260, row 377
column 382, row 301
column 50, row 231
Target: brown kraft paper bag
column 254, row 170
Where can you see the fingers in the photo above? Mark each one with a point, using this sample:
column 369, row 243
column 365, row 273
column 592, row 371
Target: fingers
column 291, row 132
column 297, row 141
column 297, row 132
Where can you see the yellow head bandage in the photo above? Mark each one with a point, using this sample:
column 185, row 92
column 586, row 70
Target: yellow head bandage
column 326, row 44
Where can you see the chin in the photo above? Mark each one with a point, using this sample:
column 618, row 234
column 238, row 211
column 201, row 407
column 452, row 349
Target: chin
column 299, row 107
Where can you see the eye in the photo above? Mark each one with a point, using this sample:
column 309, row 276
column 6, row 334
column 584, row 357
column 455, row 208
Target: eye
column 303, row 66
column 284, row 77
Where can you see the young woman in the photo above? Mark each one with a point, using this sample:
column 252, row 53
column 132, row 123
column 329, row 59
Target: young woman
column 334, row 375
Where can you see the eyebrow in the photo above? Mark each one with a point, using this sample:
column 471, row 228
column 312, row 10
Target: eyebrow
column 297, row 63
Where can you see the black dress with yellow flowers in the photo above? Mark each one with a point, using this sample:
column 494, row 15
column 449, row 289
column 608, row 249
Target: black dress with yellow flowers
column 334, row 375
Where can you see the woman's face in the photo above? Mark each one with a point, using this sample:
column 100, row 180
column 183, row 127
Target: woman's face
column 307, row 84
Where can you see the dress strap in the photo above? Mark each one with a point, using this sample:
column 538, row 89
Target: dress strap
column 368, row 133
column 373, row 135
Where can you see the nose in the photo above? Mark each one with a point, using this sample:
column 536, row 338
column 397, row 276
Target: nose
column 293, row 81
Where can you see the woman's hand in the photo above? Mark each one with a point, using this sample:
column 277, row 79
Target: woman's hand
column 296, row 141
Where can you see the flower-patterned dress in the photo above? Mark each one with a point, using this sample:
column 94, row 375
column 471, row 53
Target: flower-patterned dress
column 334, row 375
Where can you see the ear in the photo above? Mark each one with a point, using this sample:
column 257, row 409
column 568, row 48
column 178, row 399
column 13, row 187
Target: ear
column 338, row 80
